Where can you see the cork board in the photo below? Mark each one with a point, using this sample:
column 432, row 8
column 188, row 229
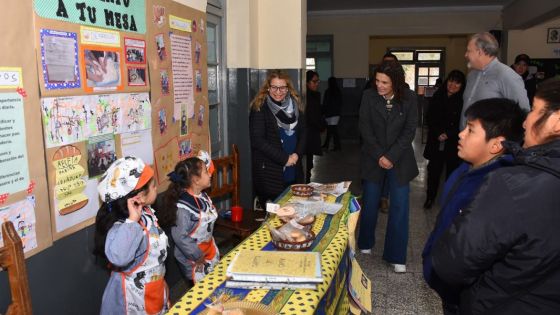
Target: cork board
column 19, row 53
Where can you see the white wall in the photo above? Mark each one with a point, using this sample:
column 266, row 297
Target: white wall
column 351, row 33
column 199, row 5
column 532, row 42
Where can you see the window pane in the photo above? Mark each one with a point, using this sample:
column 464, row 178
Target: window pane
column 423, row 71
column 323, row 46
column 422, row 80
column 409, row 73
column 211, row 42
column 214, row 125
column 433, row 80
column 213, row 95
column 429, row 56
column 402, row 56
column 310, row 63
column 311, row 47
column 434, row 71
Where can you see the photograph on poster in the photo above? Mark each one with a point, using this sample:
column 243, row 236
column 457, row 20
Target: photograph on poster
column 136, row 76
column 197, row 51
column 59, row 57
column 101, row 153
column 162, row 120
column 200, row 119
column 160, row 45
column 102, row 68
column 164, row 76
column 184, row 122
column 553, row 35
column 159, row 15
column 185, row 149
column 135, row 55
column 198, row 79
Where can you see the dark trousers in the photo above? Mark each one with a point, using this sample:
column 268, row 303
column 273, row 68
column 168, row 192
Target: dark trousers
column 332, row 131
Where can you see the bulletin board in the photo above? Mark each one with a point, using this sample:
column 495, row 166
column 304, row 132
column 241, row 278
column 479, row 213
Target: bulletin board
column 179, row 93
column 23, row 182
column 100, row 95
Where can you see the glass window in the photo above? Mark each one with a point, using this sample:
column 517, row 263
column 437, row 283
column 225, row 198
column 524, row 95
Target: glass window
column 423, row 81
column 434, row 71
column 409, row 73
column 423, row 71
column 403, row 56
column 431, row 56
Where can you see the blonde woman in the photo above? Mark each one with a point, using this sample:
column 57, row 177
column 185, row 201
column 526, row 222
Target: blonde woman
column 277, row 131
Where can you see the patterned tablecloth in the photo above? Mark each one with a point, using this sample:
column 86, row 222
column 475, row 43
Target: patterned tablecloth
column 331, row 296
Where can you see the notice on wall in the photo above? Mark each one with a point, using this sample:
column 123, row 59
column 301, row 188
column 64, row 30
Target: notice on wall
column 181, row 65
column 138, row 144
column 22, row 215
column 14, row 172
column 69, row 183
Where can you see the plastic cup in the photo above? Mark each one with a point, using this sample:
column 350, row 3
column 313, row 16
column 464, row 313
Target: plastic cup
column 236, row 214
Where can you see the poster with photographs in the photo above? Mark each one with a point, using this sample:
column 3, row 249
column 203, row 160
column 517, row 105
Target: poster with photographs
column 135, row 50
column 101, row 154
column 160, row 46
column 102, row 66
column 136, row 76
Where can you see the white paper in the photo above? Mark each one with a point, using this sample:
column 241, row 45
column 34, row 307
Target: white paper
column 64, row 222
column 22, row 215
column 138, row 144
column 181, row 66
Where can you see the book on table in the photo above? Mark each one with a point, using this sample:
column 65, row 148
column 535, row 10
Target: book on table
column 275, row 266
column 250, row 285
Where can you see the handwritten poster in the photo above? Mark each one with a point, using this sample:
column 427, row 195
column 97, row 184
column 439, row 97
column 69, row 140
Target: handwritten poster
column 22, row 215
column 89, row 211
column 14, row 172
column 10, row 77
column 59, row 57
column 138, row 144
column 69, row 185
column 181, row 66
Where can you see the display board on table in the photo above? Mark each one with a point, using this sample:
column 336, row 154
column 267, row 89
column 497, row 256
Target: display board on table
column 24, row 196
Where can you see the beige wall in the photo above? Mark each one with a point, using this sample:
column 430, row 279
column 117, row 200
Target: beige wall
column 266, row 34
column 199, row 5
column 351, row 33
column 532, row 41
column 454, row 48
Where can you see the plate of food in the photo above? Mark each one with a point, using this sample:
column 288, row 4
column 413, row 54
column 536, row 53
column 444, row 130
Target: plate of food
column 239, row 308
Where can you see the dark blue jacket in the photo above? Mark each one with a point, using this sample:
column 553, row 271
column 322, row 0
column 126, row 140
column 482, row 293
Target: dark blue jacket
column 458, row 192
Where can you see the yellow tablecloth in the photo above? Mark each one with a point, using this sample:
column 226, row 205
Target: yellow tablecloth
column 331, row 296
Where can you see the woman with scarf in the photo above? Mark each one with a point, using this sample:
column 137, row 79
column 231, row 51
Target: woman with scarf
column 277, row 132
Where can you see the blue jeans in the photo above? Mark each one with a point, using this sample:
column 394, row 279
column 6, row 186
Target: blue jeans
column 396, row 237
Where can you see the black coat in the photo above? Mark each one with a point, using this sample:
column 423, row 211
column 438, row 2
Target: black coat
column 388, row 134
column 504, row 248
column 268, row 157
column 315, row 122
column 443, row 116
column 332, row 103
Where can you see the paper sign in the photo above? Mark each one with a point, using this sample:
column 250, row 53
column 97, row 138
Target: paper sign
column 64, row 222
column 180, row 24
column 97, row 36
column 14, row 172
column 138, row 144
column 181, row 66
column 59, row 57
column 10, row 77
column 22, row 215
column 360, row 287
column 69, row 185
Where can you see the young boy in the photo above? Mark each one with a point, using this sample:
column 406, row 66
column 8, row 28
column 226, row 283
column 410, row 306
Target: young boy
column 489, row 123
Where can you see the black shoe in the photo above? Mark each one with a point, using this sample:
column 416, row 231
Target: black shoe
column 428, row 204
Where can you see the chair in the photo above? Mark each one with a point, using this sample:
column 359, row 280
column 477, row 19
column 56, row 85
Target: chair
column 13, row 260
column 225, row 185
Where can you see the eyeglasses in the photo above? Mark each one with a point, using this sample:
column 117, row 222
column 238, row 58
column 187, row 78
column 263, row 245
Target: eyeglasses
column 282, row 89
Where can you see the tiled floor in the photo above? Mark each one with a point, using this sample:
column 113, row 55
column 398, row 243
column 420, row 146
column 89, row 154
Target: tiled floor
column 392, row 293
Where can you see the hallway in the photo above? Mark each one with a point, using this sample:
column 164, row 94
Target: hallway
column 393, row 293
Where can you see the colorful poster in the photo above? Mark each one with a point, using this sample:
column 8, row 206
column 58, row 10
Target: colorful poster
column 182, row 71
column 166, row 157
column 124, row 15
column 69, row 182
column 22, row 215
column 102, row 67
column 101, row 154
column 138, row 144
column 14, row 172
column 59, row 57
column 65, row 119
column 135, row 50
column 89, row 211
column 135, row 112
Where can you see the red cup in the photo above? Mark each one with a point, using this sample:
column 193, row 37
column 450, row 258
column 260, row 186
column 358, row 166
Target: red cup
column 236, row 214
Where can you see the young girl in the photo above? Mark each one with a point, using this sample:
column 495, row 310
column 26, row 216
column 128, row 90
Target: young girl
column 191, row 215
column 128, row 236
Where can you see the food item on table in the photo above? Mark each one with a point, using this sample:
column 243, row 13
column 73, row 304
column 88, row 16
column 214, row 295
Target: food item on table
column 308, row 219
column 298, row 235
column 286, row 211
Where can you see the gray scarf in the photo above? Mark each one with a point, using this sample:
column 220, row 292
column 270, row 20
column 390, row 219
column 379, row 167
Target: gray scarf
column 286, row 113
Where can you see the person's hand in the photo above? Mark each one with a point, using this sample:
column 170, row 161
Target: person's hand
column 292, row 159
column 385, row 163
column 134, row 208
column 200, row 263
column 442, row 137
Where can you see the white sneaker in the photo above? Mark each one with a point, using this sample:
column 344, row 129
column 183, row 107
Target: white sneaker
column 365, row 251
column 399, row 268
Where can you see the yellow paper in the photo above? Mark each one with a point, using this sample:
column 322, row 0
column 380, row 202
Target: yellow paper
column 69, row 185
column 10, row 77
column 360, row 287
column 292, row 264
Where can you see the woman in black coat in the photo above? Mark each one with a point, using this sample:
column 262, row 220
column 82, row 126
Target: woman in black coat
column 278, row 136
column 332, row 104
column 504, row 248
column 314, row 120
column 443, row 119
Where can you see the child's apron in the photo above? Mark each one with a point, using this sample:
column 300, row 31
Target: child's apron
column 205, row 241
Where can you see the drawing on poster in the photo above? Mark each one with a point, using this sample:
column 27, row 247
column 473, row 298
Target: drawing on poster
column 184, row 122
column 136, row 76
column 198, row 81
column 185, row 149
column 165, row 159
column 135, row 111
column 164, row 82
column 22, row 215
column 135, row 50
column 160, row 45
column 101, row 154
column 102, row 68
column 107, row 114
column 69, row 180
column 162, row 121
column 159, row 15
column 59, row 57
column 197, row 51
column 200, row 119
column 65, row 120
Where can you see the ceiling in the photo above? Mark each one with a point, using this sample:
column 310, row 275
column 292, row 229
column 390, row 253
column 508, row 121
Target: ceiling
column 343, row 5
